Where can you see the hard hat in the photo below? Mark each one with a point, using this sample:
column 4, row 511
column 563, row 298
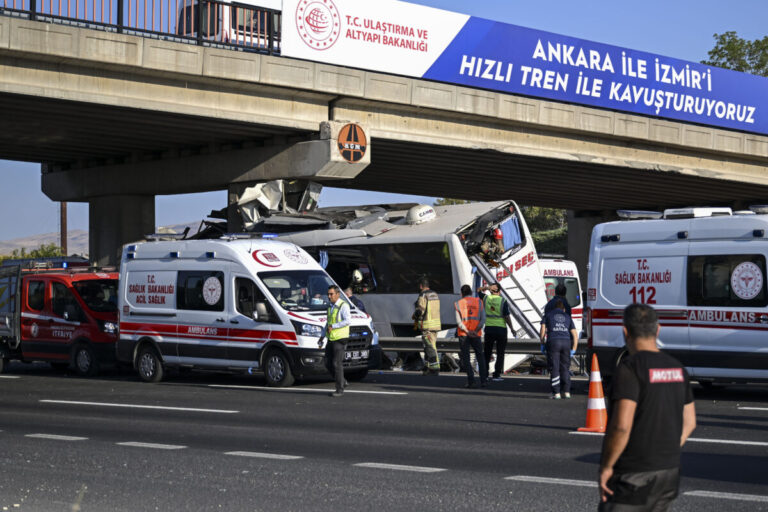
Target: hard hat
column 497, row 234
column 357, row 276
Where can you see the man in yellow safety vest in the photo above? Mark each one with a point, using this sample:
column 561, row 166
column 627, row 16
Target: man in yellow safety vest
column 427, row 316
column 497, row 319
column 337, row 332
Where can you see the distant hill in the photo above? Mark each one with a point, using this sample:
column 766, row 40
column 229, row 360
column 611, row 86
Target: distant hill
column 77, row 240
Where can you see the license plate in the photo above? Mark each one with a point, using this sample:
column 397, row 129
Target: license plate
column 356, row 354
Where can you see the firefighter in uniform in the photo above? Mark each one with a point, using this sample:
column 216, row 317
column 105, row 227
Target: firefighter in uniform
column 427, row 317
column 470, row 318
column 337, row 331
column 496, row 321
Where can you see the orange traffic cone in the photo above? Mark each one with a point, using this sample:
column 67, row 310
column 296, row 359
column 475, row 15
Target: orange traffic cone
column 597, row 416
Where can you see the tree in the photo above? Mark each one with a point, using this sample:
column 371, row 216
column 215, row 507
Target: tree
column 733, row 52
column 543, row 219
column 44, row 251
column 445, row 201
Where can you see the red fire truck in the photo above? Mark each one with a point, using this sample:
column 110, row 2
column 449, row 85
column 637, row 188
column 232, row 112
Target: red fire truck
column 65, row 316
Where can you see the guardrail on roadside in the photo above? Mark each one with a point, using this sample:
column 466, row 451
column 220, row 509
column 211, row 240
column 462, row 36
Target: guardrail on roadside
column 514, row 346
column 447, row 345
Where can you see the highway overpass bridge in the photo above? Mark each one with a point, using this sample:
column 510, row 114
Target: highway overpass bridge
column 116, row 119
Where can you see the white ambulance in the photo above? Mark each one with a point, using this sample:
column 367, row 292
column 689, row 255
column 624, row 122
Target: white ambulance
column 239, row 305
column 557, row 271
column 703, row 270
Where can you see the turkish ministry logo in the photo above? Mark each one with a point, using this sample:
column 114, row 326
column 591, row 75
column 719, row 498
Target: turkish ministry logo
column 747, row 280
column 352, row 143
column 318, row 23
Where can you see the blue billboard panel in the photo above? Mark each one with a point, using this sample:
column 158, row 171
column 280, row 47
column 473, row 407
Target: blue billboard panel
column 508, row 58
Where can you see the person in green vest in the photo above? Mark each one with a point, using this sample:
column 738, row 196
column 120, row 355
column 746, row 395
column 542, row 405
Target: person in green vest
column 427, row 317
column 496, row 321
column 337, row 332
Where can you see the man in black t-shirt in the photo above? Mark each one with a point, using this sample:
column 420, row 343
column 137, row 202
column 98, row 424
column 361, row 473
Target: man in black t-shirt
column 651, row 418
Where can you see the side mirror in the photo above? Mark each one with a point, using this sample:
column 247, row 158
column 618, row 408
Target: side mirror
column 261, row 314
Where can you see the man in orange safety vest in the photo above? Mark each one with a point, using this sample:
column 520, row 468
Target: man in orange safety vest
column 470, row 319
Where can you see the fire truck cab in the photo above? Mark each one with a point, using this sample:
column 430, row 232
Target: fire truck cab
column 65, row 317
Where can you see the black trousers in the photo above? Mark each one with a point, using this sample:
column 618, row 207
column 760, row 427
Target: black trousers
column 559, row 358
column 334, row 355
column 465, row 342
column 495, row 336
column 651, row 491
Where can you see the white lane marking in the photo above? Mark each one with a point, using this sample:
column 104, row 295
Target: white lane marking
column 398, row 467
column 135, row 406
column 545, row 480
column 727, row 496
column 56, row 437
column 311, row 390
column 9, row 377
column 693, row 439
column 153, row 445
column 753, row 408
column 727, row 441
column 259, row 455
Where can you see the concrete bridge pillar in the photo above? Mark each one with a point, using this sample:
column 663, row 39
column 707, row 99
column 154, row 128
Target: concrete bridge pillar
column 580, row 224
column 117, row 220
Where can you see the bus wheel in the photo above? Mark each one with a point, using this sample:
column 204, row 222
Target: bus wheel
column 277, row 369
column 85, row 360
column 149, row 365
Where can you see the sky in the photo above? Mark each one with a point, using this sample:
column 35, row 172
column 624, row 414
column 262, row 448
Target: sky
column 682, row 29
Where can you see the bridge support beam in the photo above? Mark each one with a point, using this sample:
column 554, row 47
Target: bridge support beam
column 117, row 220
column 121, row 197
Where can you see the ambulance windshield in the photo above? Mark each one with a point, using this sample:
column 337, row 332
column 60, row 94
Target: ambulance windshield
column 298, row 290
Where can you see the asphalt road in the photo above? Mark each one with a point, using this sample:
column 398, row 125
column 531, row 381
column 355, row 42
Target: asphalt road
column 396, row 441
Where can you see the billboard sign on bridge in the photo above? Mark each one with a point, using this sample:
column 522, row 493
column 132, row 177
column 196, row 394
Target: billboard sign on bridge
column 422, row 42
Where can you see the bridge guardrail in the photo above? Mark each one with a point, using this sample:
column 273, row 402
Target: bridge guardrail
column 204, row 22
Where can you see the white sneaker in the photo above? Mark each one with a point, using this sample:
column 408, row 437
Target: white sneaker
column 555, row 396
column 567, row 395
column 498, row 379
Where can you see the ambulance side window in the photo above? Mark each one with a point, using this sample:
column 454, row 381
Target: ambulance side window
column 200, row 290
column 736, row 280
column 36, row 295
column 248, row 296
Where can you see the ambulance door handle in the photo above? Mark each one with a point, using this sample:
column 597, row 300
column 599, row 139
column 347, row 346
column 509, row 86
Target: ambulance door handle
column 219, row 319
column 234, row 322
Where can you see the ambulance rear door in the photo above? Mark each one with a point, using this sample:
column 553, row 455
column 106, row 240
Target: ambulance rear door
column 646, row 268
